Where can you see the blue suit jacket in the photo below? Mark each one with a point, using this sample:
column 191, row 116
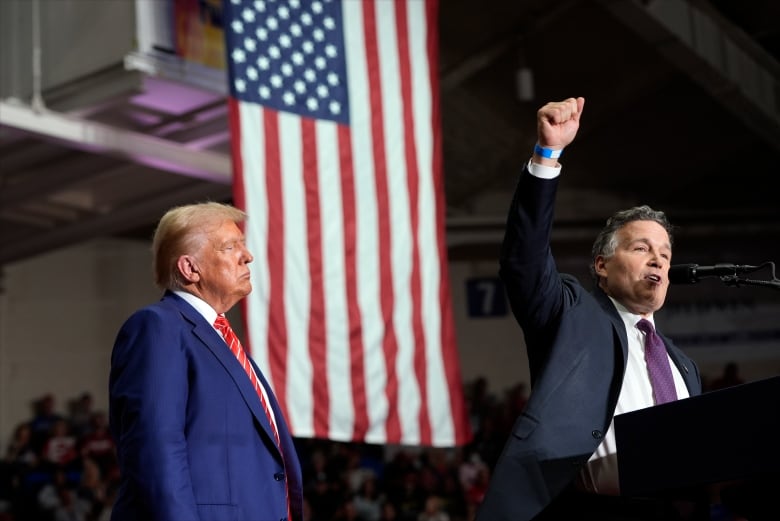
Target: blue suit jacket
column 577, row 353
column 193, row 440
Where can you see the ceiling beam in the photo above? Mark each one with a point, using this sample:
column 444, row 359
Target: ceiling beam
column 41, row 181
column 128, row 217
column 715, row 55
column 103, row 139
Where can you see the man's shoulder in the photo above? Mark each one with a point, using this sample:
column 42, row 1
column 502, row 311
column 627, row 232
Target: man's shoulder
column 577, row 290
column 587, row 301
column 168, row 307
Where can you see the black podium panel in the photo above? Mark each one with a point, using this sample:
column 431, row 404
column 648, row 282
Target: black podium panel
column 725, row 435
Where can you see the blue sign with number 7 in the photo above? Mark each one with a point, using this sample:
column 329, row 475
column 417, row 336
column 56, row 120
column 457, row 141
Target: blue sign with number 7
column 485, row 297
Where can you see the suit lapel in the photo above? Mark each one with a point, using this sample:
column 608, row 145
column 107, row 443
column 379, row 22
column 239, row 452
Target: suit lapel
column 674, row 353
column 617, row 322
column 216, row 344
column 620, row 339
column 682, row 364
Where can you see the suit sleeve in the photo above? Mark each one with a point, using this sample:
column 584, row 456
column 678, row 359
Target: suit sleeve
column 148, row 390
column 528, row 270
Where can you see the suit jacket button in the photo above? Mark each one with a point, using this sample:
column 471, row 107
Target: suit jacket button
column 279, row 476
column 597, row 434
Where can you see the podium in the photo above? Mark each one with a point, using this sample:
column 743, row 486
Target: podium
column 725, row 436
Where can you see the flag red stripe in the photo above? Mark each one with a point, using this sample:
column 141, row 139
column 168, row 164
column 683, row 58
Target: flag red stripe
column 412, row 181
column 277, row 324
column 239, row 194
column 317, row 340
column 357, row 362
column 389, row 342
column 239, row 197
column 449, row 353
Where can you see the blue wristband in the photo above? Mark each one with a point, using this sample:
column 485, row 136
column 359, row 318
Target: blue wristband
column 549, row 153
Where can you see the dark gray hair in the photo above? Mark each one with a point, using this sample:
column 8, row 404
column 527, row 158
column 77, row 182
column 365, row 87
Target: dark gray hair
column 606, row 242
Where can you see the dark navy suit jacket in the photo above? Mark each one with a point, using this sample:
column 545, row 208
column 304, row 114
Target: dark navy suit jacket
column 193, row 440
column 577, row 352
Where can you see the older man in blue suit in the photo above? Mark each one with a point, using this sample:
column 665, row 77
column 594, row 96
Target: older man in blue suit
column 199, row 433
column 586, row 350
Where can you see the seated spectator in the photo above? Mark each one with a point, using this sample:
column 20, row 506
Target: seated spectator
column 58, row 501
column 91, row 491
column 410, row 497
column 59, row 449
column 20, row 452
column 43, row 420
column 476, row 490
column 368, row 501
column 346, row 511
column 433, row 510
column 80, row 418
column 355, row 473
column 98, row 445
column 19, row 460
column 389, row 512
column 470, row 471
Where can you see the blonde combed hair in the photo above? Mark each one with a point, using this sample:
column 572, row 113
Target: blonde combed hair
column 182, row 231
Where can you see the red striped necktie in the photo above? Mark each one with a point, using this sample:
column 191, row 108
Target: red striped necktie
column 223, row 326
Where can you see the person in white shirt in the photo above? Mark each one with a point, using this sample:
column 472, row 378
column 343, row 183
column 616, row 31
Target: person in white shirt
column 585, row 349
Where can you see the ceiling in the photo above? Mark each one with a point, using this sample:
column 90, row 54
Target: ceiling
column 667, row 122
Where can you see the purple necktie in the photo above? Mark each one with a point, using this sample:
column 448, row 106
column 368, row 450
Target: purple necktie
column 657, row 364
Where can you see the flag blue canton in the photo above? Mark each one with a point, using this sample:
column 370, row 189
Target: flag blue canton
column 288, row 55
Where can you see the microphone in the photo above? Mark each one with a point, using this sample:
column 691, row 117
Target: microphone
column 691, row 273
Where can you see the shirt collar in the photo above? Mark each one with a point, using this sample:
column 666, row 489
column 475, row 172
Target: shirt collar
column 200, row 305
column 629, row 319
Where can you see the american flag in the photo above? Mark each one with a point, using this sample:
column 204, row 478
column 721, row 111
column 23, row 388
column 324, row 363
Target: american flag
column 337, row 157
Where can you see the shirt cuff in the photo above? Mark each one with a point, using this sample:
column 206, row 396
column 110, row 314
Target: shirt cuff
column 542, row 171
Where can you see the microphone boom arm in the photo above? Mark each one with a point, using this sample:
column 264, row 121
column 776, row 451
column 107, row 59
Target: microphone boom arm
column 729, row 274
column 737, row 282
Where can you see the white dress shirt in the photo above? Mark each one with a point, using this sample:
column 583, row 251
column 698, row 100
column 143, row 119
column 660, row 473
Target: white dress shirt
column 600, row 474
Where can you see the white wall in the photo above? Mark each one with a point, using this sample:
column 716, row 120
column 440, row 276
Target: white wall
column 490, row 347
column 59, row 314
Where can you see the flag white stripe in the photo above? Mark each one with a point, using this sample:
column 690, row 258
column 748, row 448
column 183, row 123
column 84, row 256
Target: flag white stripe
column 256, row 231
column 367, row 223
column 296, row 273
column 401, row 226
column 442, row 427
column 339, row 380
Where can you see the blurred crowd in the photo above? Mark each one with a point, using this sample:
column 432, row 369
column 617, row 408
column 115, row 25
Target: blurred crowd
column 63, row 467
column 59, row 467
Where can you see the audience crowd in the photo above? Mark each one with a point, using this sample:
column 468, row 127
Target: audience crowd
column 64, row 468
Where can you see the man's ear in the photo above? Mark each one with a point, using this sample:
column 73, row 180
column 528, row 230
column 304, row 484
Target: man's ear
column 599, row 266
column 188, row 267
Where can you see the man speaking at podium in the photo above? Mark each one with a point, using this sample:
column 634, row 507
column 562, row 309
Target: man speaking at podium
column 592, row 355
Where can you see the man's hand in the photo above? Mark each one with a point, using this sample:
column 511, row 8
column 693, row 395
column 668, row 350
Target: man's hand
column 557, row 122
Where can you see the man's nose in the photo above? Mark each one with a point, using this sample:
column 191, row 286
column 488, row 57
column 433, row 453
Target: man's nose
column 247, row 255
